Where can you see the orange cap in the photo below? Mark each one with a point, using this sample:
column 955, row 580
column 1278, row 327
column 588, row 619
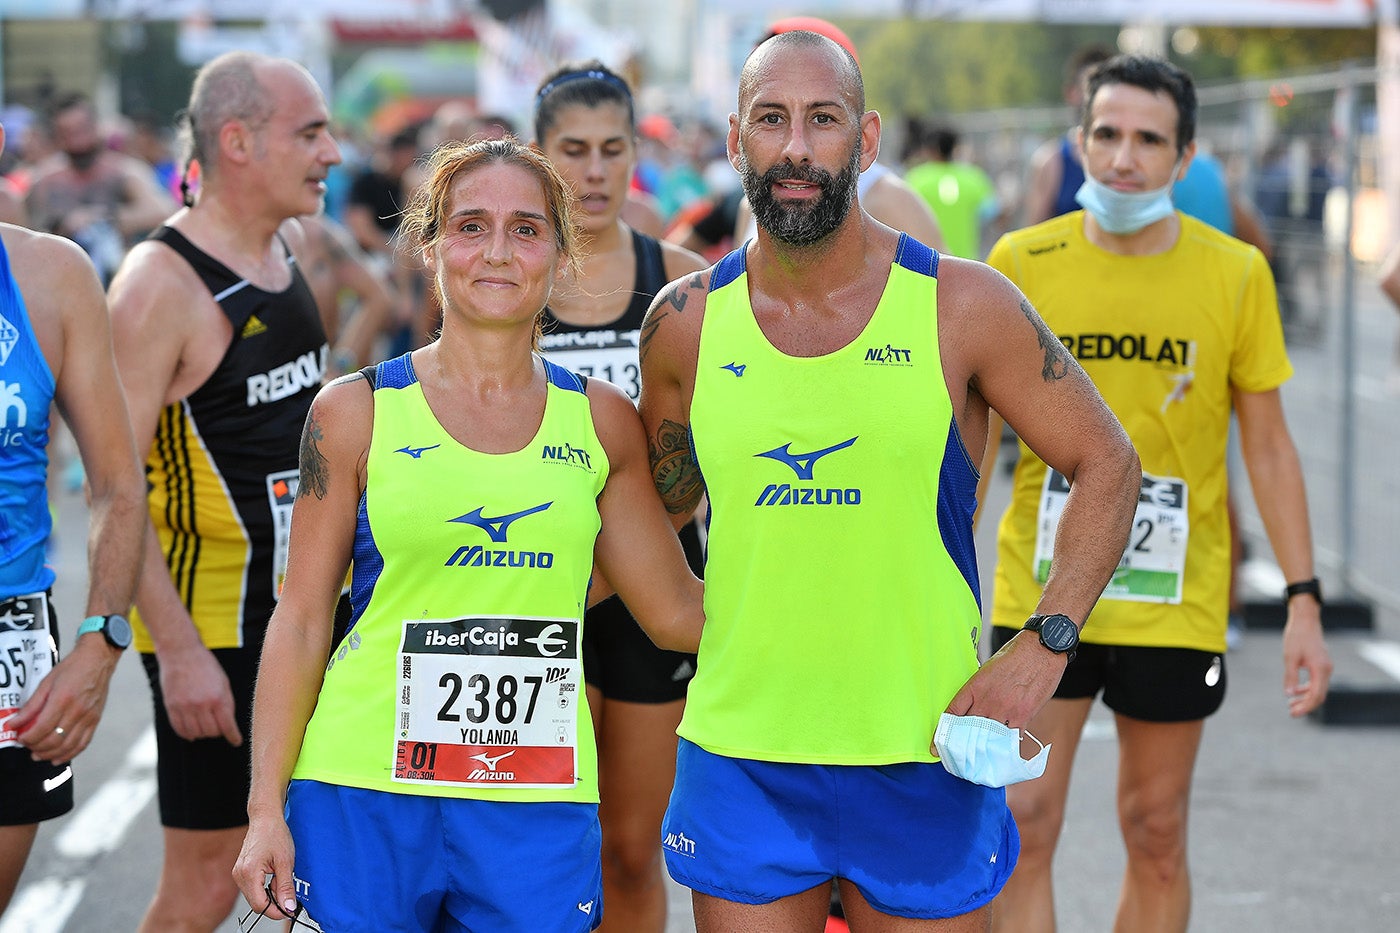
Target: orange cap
column 811, row 24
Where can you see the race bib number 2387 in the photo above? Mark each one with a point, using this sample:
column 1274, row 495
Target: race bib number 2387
column 489, row 702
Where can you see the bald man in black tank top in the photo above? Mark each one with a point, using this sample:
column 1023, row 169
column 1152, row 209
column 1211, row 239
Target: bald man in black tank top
column 220, row 350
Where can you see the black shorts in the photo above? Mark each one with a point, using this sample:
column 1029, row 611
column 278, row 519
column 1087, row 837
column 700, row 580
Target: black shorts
column 33, row 791
column 619, row 658
column 204, row 784
column 1151, row 684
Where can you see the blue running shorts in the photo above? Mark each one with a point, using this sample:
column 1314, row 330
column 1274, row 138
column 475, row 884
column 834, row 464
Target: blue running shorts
column 915, row 840
column 374, row 862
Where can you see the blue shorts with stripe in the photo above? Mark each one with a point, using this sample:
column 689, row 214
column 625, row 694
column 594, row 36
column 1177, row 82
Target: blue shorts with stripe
column 374, row 862
column 915, row 840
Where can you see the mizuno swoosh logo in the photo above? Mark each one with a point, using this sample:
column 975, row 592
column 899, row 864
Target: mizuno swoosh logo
column 496, row 527
column 416, row 452
column 802, row 464
column 736, row 368
column 490, row 761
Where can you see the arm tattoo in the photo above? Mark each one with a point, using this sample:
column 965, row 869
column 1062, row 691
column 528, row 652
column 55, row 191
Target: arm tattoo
column 315, row 477
column 673, row 468
column 672, row 298
column 1057, row 362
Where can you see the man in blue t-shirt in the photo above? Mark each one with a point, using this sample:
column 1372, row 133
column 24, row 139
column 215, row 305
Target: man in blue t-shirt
column 56, row 346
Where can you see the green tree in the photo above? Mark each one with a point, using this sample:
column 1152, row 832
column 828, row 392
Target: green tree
column 918, row 66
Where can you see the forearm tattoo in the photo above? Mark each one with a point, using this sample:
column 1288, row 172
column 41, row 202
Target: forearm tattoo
column 1057, row 363
column 315, row 475
column 673, row 468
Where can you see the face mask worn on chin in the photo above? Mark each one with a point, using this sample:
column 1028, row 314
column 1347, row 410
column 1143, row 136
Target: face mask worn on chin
column 1124, row 212
column 986, row 752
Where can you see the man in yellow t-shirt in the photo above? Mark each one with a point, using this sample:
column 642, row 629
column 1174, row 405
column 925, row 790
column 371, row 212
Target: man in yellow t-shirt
column 1177, row 324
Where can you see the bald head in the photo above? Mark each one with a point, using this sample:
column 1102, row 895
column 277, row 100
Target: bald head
column 787, row 44
column 234, row 86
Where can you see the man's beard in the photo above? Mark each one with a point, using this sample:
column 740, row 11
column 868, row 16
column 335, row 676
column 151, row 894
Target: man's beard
column 82, row 161
column 801, row 224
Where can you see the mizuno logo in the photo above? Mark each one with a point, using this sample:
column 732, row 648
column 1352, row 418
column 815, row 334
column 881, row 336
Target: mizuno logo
column 490, row 761
column 416, row 452
column 586, row 907
column 496, row 527
column 802, row 464
column 736, row 368
column 548, row 642
column 787, row 494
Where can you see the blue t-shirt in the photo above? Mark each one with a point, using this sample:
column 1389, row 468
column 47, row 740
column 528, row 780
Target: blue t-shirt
column 1203, row 193
column 26, row 397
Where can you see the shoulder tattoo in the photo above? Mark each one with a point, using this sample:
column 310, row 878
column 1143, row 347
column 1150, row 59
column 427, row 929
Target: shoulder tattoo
column 670, row 300
column 1057, row 363
column 673, row 468
column 315, row 475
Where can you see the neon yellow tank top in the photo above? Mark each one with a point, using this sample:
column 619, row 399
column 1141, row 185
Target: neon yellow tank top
column 461, row 674
column 841, row 593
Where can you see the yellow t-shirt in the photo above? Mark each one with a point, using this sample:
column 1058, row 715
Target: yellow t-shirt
column 1166, row 339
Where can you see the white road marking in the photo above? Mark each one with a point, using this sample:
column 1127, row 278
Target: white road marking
column 1262, row 576
column 44, row 906
column 98, row 825
column 1383, row 654
column 1099, row 730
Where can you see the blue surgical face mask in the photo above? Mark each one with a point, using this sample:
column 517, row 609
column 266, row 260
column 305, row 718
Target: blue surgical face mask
column 986, row 752
column 1124, row 212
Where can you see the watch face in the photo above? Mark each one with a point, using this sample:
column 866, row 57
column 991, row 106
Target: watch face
column 1058, row 633
column 118, row 631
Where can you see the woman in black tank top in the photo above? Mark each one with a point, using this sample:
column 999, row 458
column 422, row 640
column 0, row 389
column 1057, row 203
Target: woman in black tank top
column 586, row 125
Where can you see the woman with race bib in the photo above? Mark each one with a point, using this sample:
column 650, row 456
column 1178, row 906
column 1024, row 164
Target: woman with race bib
column 441, row 773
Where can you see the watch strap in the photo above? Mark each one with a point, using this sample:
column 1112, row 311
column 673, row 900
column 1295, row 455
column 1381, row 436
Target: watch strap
column 1312, row 587
column 92, row 624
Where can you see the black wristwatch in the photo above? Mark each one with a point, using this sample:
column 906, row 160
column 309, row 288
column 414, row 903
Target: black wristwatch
column 114, row 628
column 1057, row 632
column 1312, row 587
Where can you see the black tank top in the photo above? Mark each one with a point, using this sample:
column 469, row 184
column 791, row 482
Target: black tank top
column 223, row 468
column 610, row 351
